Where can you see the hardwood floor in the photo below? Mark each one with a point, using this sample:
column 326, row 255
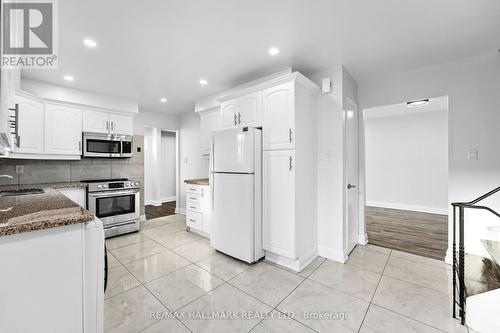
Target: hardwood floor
column 419, row 233
column 167, row 208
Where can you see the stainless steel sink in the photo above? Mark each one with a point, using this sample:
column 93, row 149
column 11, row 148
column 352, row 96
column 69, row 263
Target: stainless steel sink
column 21, row 192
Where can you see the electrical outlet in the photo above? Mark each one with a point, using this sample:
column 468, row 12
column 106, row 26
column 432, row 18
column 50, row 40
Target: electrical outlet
column 472, row 155
column 19, row 169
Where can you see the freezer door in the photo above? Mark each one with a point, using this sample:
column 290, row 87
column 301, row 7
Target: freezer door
column 233, row 150
column 232, row 223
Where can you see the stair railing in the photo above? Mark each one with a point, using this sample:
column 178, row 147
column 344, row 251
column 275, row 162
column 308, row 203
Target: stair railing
column 460, row 270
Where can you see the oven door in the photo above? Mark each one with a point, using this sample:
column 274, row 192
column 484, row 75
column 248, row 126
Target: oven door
column 115, row 207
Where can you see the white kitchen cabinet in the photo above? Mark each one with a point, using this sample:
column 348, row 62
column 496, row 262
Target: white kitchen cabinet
column 209, row 123
column 30, row 125
column 198, row 208
column 75, row 194
column 121, row 124
column 107, row 123
column 279, row 230
column 249, row 110
column 278, row 109
column 95, row 121
column 228, row 113
column 9, row 78
column 63, row 130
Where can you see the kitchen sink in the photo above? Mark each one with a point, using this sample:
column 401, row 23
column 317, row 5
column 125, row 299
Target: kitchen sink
column 21, row 192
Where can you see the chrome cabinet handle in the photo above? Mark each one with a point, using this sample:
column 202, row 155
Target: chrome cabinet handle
column 80, row 146
column 234, row 114
column 349, row 186
column 239, row 118
column 290, row 163
column 290, row 135
column 192, row 207
column 112, row 125
column 107, row 125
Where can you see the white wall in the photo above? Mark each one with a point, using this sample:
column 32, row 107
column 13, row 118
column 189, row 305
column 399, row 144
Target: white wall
column 472, row 86
column 167, row 167
column 407, row 162
column 192, row 163
column 154, row 119
column 150, row 160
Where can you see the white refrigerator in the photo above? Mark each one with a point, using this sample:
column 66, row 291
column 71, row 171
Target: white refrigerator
column 236, row 183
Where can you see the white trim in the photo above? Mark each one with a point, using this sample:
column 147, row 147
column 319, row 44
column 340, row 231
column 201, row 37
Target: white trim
column 362, row 239
column 142, row 217
column 168, row 199
column 296, row 265
column 338, row 256
column 415, row 208
column 181, row 211
column 152, row 203
column 44, row 156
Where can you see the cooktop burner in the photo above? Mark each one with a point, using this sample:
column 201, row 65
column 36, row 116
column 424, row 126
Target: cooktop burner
column 104, row 180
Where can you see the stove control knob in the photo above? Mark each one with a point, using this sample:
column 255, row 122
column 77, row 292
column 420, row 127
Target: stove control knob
column 136, row 183
column 99, row 186
column 127, row 184
column 104, row 186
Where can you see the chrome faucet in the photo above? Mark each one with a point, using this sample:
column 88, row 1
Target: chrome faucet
column 6, row 176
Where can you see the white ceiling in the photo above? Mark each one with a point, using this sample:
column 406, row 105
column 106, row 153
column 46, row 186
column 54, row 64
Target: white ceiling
column 401, row 109
column 161, row 48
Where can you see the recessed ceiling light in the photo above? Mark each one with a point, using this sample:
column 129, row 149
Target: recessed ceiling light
column 89, row 42
column 163, row 100
column 420, row 102
column 203, row 82
column 69, row 78
column 274, row 51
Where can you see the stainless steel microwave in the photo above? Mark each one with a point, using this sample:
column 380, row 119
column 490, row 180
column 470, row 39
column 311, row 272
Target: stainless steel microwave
column 106, row 145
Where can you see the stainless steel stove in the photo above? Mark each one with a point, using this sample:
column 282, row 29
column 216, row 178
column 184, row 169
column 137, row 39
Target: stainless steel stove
column 116, row 202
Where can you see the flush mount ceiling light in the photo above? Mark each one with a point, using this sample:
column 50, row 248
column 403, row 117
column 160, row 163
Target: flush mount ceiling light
column 274, row 51
column 89, row 43
column 203, row 82
column 420, row 102
column 163, row 100
column 69, row 78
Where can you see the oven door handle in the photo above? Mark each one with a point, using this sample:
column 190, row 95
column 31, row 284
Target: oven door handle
column 111, row 194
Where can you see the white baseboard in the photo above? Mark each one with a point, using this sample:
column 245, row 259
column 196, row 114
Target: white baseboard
column 181, row 211
column 297, row 265
column 168, row 199
column 159, row 202
column 363, row 239
column 142, row 217
column 415, row 208
column 338, row 256
column 449, row 256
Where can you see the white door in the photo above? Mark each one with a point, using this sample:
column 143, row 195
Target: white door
column 63, row 130
column 228, row 113
column 278, row 117
column 95, row 121
column 278, row 203
column 351, row 165
column 232, row 227
column 120, row 124
column 30, row 125
column 250, row 110
column 208, row 124
column 234, row 150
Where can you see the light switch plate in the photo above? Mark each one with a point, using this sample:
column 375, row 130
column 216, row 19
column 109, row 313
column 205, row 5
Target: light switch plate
column 19, row 169
column 472, row 155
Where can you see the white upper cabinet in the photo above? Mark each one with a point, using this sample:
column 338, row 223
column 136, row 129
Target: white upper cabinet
column 249, row 110
column 228, row 113
column 63, row 130
column 121, row 124
column 104, row 122
column 209, row 122
column 95, row 121
column 279, row 227
column 30, row 125
column 7, row 89
column 278, row 113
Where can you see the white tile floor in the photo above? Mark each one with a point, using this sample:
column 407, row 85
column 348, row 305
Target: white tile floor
column 164, row 279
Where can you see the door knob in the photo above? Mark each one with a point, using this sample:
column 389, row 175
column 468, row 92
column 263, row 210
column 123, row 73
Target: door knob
column 349, row 186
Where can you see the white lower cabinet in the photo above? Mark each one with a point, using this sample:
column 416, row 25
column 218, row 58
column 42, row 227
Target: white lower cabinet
column 63, row 130
column 279, row 203
column 75, row 194
column 198, row 208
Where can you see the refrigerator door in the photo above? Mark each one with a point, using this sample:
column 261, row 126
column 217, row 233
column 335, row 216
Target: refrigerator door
column 232, row 226
column 233, row 150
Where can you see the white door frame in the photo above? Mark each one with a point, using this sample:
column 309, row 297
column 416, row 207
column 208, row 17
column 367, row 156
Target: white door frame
column 177, row 167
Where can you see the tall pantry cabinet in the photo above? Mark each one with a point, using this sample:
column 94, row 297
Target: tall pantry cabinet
column 289, row 116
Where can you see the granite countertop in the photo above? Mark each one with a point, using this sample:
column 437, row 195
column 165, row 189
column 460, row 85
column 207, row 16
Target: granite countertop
column 32, row 212
column 200, row 181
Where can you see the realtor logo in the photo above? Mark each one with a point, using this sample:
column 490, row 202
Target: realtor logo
column 29, row 34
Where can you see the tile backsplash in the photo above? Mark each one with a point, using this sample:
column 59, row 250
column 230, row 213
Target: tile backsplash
column 53, row 171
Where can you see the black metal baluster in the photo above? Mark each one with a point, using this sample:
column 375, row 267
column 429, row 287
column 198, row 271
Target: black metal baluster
column 454, row 262
column 461, row 266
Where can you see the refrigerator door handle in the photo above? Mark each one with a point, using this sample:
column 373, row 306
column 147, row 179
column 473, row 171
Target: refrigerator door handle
column 211, row 180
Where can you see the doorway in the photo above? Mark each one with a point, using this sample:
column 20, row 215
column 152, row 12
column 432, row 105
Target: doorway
column 406, row 176
column 161, row 172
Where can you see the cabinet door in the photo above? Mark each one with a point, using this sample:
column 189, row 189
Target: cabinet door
column 209, row 123
column 279, row 203
column 77, row 195
column 63, row 130
column 30, row 125
column 250, row 110
column 228, row 113
column 278, row 114
column 7, row 88
column 120, row 124
column 95, row 121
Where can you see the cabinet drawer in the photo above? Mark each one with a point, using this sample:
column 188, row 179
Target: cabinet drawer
column 193, row 197
column 193, row 189
column 194, row 220
column 193, row 205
